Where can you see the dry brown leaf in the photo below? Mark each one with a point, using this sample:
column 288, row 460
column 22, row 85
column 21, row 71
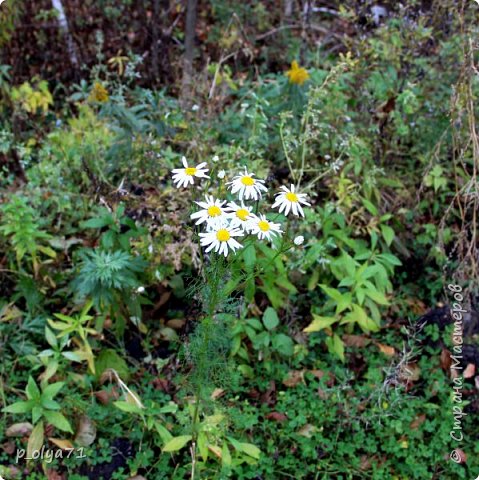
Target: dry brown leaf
column 276, row 416
column 355, row 340
column 216, row 450
column 86, row 432
column 469, row 371
column 9, row 447
column 418, row 421
column 61, row 443
column 410, row 372
column 386, row 349
column 176, row 323
column 322, row 394
column 294, row 377
column 445, row 359
column 217, row 393
column 319, row 374
column 19, row 429
column 307, row 430
column 54, row 475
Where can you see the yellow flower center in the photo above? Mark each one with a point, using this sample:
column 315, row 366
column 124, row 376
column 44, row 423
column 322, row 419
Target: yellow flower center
column 242, row 214
column 248, row 181
column 263, row 225
column 214, row 211
column 292, row 197
column 223, row 235
column 190, row 171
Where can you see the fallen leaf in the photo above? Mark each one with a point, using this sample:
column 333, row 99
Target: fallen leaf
column 276, row 416
column 217, row 393
column 322, row 394
column 86, row 432
column 61, row 443
column 366, row 462
column 319, row 374
column 355, row 340
column 307, row 430
column 294, row 377
column 469, row 371
column 386, row 349
column 106, row 396
column 19, row 429
column 176, row 323
column 410, row 372
column 445, row 359
column 54, row 475
column 269, row 396
column 418, row 421
column 216, row 450
column 9, row 447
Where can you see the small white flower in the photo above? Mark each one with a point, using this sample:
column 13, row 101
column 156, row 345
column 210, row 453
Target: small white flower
column 240, row 215
column 221, row 174
column 290, row 200
column 220, row 238
column 247, row 187
column 212, row 210
column 298, row 240
column 216, row 158
column 140, row 289
column 263, row 228
column 184, row 176
column 195, row 108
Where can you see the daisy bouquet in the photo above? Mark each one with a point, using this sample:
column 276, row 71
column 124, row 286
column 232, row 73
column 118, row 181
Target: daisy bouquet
column 226, row 222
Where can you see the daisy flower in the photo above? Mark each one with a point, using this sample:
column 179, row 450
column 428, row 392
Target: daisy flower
column 240, row 215
column 220, row 238
column 211, row 210
column 247, row 187
column 290, row 200
column 263, row 228
column 184, row 176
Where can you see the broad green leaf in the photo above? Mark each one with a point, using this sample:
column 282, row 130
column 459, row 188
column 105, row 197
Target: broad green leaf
column 58, row 420
column 128, row 407
column 250, row 449
column 19, row 407
column 270, row 318
column 163, row 432
column 203, row 446
column 32, row 390
column 283, row 344
column 319, row 323
column 176, row 443
column 51, row 390
column 388, row 234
